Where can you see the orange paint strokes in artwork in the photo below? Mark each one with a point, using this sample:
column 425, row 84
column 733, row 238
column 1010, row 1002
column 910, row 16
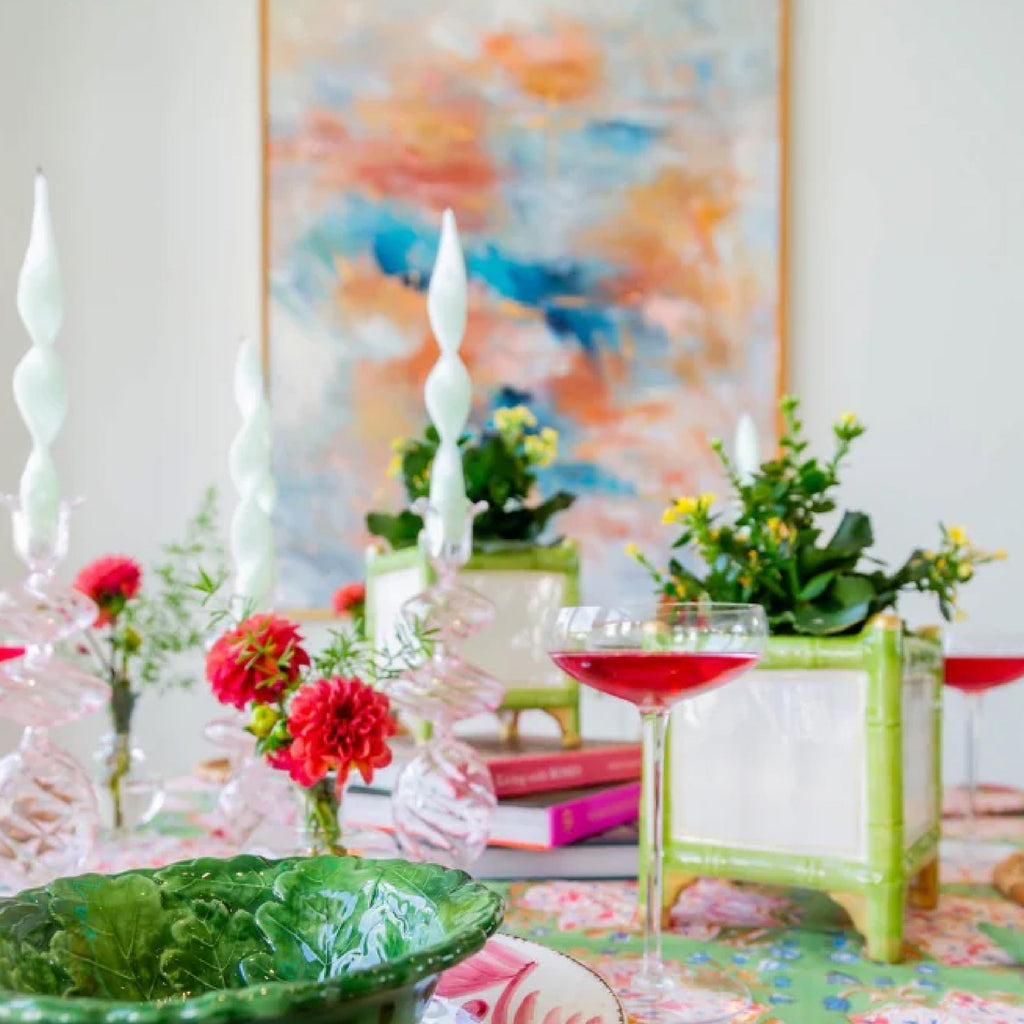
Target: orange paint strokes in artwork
column 559, row 67
column 421, row 146
column 665, row 236
column 362, row 292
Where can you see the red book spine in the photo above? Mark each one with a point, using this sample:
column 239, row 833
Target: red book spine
column 525, row 775
column 589, row 815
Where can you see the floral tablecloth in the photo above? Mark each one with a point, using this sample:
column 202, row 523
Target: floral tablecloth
column 793, row 948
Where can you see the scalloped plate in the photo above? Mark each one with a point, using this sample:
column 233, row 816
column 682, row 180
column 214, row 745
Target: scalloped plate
column 515, row 980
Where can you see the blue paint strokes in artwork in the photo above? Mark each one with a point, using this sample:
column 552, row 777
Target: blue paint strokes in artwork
column 626, row 138
column 404, row 248
column 589, row 325
column 585, row 477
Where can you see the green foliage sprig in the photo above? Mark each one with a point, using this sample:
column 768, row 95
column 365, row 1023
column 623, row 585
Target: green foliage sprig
column 773, row 550
column 169, row 617
column 500, row 468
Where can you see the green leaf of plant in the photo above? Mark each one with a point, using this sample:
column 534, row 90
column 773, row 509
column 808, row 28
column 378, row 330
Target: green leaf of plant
column 848, row 606
column 112, row 933
column 400, row 531
column 816, row 586
column 207, row 945
column 852, row 536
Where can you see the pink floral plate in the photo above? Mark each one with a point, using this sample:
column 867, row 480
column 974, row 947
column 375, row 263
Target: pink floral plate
column 514, row 981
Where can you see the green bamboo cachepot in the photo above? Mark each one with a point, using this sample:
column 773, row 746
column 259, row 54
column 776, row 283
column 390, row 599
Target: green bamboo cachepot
column 322, row 940
column 821, row 769
column 523, row 582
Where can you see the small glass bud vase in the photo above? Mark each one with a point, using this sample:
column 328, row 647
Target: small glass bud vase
column 48, row 815
column 319, row 819
column 128, row 795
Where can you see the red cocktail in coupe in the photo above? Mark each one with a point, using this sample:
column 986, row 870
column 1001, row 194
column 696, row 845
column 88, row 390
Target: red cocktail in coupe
column 976, row 663
column 975, row 673
column 655, row 655
column 652, row 679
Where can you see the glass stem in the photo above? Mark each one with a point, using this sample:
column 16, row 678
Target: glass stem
column 973, row 758
column 651, row 866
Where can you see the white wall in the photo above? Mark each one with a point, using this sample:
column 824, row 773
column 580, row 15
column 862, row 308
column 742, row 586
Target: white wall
column 907, row 252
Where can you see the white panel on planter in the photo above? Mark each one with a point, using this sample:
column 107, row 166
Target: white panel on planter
column 773, row 760
column 389, row 592
column 919, row 801
column 512, row 646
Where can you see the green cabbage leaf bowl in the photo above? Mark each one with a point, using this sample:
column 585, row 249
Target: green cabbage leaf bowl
column 321, row 940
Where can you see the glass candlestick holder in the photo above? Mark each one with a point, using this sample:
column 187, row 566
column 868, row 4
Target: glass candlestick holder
column 444, row 797
column 48, row 814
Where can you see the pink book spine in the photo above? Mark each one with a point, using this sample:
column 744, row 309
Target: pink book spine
column 540, row 773
column 598, row 812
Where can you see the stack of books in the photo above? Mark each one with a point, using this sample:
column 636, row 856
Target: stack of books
column 561, row 813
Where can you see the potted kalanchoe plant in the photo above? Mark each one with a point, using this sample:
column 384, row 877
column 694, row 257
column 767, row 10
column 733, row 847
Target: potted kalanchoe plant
column 317, row 717
column 146, row 622
column 767, row 545
column 821, row 768
column 514, row 563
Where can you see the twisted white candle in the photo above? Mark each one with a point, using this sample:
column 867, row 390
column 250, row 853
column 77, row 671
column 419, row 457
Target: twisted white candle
column 747, row 457
column 252, row 545
column 448, row 391
column 39, row 384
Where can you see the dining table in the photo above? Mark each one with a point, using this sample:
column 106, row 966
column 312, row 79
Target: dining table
column 795, row 949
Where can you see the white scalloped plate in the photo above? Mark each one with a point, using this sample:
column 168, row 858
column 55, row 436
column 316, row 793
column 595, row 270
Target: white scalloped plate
column 514, row 981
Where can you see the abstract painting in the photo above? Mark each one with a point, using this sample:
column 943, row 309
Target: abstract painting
column 616, row 173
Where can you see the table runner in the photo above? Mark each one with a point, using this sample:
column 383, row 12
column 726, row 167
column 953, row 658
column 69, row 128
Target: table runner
column 793, row 948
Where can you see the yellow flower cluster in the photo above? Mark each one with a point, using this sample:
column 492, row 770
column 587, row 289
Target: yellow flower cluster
column 683, row 508
column 395, row 466
column 541, row 449
column 511, row 421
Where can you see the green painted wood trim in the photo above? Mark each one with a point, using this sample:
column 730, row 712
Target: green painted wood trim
column 807, row 652
column 883, row 655
column 924, row 850
column 525, row 698
column 562, row 558
column 769, row 867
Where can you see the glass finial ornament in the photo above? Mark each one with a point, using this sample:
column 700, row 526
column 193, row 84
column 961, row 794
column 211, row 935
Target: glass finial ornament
column 444, row 797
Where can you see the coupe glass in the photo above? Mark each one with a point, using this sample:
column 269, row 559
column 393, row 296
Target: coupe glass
column 654, row 655
column 976, row 662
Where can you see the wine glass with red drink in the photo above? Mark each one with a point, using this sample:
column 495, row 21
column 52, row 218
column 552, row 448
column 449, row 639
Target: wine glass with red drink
column 976, row 663
column 654, row 655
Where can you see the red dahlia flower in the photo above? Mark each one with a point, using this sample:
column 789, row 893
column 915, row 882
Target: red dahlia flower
column 258, row 661
column 349, row 599
column 339, row 724
column 111, row 581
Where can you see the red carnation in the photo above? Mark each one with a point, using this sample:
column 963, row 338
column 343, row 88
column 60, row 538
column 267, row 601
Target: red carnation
column 349, row 599
column 341, row 724
column 259, row 661
column 111, row 582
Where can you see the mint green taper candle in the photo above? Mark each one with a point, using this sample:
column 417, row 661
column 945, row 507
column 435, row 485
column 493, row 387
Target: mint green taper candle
column 448, row 390
column 39, row 383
